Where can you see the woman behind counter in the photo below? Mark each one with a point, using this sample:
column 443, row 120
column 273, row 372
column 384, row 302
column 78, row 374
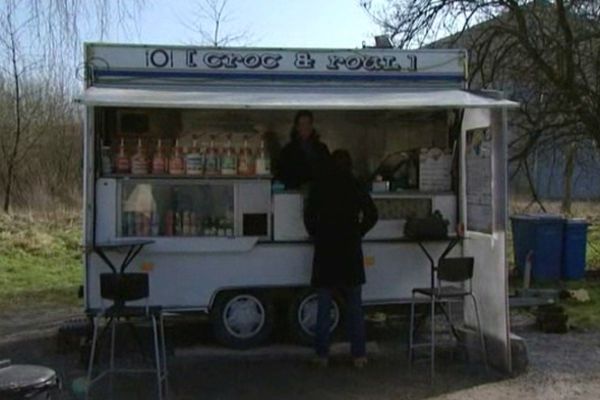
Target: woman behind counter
column 302, row 159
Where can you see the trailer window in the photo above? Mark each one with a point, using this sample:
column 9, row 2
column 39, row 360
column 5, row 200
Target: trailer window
column 164, row 208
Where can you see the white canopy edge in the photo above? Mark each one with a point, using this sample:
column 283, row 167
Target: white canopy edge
column 296, row 97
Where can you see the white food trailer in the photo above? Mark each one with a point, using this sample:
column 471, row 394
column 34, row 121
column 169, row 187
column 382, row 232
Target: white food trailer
column 235, row 246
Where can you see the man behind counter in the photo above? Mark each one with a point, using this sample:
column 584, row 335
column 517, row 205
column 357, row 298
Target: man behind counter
column 303, row 157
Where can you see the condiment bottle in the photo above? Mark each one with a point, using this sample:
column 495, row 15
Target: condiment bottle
column 176, row 163
column 263, row 162
column 194, row 161
column 212, row 159
column 229, row 159
column 139, row 162
column 246, row 164
column 159, row 162
column 123, row 163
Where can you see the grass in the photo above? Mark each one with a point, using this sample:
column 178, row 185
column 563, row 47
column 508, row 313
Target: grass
column 584, row 315
column 40, row 260
column 41, row 263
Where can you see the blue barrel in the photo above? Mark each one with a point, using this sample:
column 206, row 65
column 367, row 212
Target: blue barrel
column 540, row 235
column 574, row 247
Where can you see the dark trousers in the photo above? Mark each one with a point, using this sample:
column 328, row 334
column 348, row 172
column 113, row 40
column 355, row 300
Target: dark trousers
column 355, row 321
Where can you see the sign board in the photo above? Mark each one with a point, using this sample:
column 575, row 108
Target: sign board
column 479, row 180
column 189, row 61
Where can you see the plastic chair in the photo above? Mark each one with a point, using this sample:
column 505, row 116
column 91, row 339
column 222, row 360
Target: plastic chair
column 451, row 270
column 120, row 289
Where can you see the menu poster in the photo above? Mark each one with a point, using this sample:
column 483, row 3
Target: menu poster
column 479, row 180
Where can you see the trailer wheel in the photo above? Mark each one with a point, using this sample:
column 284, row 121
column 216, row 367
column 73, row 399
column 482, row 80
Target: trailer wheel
column 302, row 316
column 242, row 320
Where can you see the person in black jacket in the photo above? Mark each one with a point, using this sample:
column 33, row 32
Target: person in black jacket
column 303, row 157
column 338, row 213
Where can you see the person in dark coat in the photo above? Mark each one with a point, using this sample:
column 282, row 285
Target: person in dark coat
column 303, row 157
column 338, row 213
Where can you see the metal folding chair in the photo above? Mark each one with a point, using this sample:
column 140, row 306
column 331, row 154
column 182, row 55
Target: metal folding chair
column 450, row 270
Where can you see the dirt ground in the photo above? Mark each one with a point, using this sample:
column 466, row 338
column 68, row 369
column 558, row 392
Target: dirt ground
column 561, row 367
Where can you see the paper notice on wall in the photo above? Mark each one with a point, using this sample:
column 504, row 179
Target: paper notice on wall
column 435, row 167
column 479, row 180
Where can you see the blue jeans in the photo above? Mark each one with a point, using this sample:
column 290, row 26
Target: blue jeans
column 355, row 321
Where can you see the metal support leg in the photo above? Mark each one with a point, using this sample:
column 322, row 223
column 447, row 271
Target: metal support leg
column 92, row 356
column 157, row 359
column 481, row 335
column 165, row 373
column 432, row 338
column 411, row 330
column 111, row 369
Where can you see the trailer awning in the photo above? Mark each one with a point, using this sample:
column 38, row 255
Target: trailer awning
column 296, row 97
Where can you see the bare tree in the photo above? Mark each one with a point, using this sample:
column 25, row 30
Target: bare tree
column 546, row 55
column 212, row 20
column 39, row 50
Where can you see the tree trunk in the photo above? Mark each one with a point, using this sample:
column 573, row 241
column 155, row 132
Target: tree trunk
column 534, row 196
column 568, row 178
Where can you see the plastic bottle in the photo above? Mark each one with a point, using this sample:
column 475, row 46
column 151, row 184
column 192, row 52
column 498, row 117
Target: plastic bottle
column 139, row 162
column 228, row 159
column 194, row 161
column 123, row 163
column 107, row 165
column 176, row 162
column 154, row 224
column 159, row 162
column 206, row 226
column 246, row 164
column 212, row 159
column 263, row 162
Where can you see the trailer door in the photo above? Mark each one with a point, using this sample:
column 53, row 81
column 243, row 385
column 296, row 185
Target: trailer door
column 484, row 215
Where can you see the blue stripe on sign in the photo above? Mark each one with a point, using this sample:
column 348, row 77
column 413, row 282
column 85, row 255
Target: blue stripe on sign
column 219, row 75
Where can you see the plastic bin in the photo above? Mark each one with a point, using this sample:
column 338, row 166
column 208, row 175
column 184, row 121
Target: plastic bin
column 574, row 247
column 542, row 236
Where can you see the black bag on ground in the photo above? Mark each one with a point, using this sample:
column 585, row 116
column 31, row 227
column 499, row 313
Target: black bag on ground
column 433, row 227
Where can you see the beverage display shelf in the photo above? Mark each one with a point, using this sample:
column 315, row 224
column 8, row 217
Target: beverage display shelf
column 188, row 177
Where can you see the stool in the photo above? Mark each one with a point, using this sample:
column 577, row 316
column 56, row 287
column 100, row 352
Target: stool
column 120, row 288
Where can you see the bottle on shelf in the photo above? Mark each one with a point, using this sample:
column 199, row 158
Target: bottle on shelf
column 229, row 228
column 154, row 224
column 263, row 161
column 139, row 162
column 194, row 160
column 212, row 166
column 246, row 165
column 169, row 223
column 159, row 161
column 122, row 163
column 206, row 226
column 199, row 227
column 176, row 162
column 228, row 159
column 128, row 223
column 107, row 165
column 221, row 227
column 187, row 223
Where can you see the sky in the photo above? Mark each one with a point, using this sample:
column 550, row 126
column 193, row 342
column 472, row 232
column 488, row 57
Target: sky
column 272, row 23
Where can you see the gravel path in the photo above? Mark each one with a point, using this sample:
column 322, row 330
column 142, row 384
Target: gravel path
column 561, row 367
